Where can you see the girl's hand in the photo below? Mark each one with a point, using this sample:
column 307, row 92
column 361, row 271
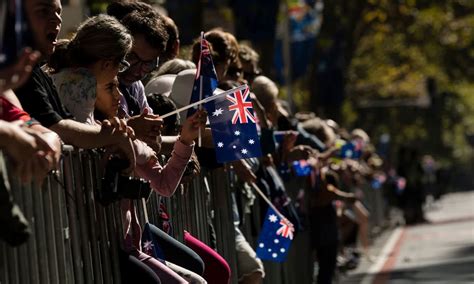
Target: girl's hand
column 190, row 130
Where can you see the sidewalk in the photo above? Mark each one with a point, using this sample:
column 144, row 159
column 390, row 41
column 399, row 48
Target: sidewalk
column 441, row 251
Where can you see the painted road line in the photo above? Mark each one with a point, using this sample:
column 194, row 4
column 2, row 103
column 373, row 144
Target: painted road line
column 387, row 250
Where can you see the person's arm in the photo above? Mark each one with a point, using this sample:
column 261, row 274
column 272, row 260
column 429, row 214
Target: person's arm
column 22, row 148
column 341, row 195
column 167, row 142
column 165, row 179
column 11, row 97
column 147, row 126
column 47, row 140
column 95, row 136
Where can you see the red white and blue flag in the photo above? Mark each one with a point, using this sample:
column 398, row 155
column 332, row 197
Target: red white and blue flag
column 275, row 238
column 233, row 127
column 206, row 78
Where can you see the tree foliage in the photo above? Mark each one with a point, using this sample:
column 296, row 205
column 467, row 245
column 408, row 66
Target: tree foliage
column 391, row 49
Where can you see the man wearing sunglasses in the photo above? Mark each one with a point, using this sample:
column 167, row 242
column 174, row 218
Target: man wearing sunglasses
column 149, row 42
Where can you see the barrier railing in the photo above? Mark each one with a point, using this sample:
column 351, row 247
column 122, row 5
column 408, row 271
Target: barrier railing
column 74, row 239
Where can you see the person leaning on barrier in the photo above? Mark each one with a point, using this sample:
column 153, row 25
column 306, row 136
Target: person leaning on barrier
column 31, row 149
column 40, row 99
column 149, row 42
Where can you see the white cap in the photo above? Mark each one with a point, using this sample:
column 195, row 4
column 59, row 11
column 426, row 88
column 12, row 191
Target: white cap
column 183, row 87
column 160, row 85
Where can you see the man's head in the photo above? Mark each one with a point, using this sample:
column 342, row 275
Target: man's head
column 172, row 46
column 45, row 20
column 266, row 92
column 224, row 50
column 249, row 59
column 149, row 42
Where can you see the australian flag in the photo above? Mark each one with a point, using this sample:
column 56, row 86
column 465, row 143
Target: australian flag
column 351, row 150
column 302, row 168
column 275, row 238
column 233, row 127
column 150, row 244
column 206, row 77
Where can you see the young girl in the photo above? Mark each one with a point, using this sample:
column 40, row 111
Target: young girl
column 85, row 73
column 89, row 88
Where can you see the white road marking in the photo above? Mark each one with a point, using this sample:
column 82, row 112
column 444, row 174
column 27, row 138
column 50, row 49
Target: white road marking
column 387, row 250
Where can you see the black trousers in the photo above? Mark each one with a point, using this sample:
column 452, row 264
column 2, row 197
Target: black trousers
column 327, row 257
column 176, row 252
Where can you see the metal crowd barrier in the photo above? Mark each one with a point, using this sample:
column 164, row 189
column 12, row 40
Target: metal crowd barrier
column 74, row 239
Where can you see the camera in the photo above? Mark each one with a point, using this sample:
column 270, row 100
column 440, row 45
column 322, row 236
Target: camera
column 116, row 186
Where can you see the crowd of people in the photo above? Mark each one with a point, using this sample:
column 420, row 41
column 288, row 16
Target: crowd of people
column 107, row 86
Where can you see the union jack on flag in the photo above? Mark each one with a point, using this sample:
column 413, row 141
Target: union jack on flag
column 275, row 238
column 286, row 230
column 233, row 126
column 241, row 106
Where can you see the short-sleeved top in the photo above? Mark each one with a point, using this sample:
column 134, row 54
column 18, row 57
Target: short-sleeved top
column 77, row 89
column 133, row 101
column 9, row 112
column 40, row 99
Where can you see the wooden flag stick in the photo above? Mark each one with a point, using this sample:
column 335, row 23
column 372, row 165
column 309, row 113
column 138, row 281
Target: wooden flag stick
column 200, row 107
column 205, row 100
column 268, row 202
column 200, row 88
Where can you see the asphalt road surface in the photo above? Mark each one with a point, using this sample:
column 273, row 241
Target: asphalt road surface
column 441, row 251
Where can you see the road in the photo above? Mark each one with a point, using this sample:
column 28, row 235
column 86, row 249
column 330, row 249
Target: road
column 441, row 251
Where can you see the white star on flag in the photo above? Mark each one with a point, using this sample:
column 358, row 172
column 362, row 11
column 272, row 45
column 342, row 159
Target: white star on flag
column 273, row 218
column 251, row 141
column 220, row 144
column 147, row 245
column 217, row 112
column 244, row 151
column 237, row 133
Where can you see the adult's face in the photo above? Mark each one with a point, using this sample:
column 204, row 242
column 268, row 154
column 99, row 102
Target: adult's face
column 44, row 17
column 143, row 59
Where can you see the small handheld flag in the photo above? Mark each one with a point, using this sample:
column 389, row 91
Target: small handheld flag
column 302, row 168
column 275, row 237
column 233, row 127
column 206, row 79
column 150, row 244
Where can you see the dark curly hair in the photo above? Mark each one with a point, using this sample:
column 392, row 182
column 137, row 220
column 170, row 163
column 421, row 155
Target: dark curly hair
column 150, row 25
column 120, row 9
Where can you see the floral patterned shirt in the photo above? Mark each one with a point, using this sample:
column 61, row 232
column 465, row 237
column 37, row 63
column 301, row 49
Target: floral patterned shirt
column 77, row 88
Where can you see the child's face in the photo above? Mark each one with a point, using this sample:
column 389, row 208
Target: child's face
column 108, row 98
